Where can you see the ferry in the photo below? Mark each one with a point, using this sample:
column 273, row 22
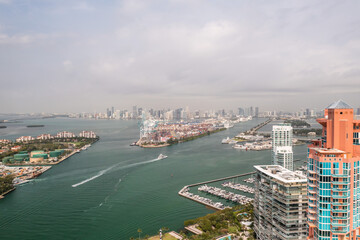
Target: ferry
column 161, row 156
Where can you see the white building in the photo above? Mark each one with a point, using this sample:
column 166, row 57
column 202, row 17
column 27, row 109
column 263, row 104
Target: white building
column 44, row 137
column 25, row 139
column 65, row 134
column 87, row 134
column 282, row 153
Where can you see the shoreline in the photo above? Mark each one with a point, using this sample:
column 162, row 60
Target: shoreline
column 47, row 167
column 9, row 191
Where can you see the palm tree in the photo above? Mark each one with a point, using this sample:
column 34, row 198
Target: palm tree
column 139, row 231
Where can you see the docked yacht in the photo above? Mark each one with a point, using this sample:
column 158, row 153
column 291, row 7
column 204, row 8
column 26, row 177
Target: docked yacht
column 225, row 140
column 161, row 156
column 240, row 146
column 228, row 125
column 232, row 141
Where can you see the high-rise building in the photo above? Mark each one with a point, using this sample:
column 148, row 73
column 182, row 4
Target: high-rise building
column 256, row 112
column 241, row 111
column 333, row 176
column 280, row 203
column 358, row 111
column 282, row 153
column 135, row 112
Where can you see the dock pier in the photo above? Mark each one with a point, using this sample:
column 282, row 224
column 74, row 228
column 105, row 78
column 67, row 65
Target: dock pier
column 183, row 192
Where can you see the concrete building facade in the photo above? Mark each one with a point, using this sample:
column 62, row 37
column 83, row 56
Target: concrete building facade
column 280, row 203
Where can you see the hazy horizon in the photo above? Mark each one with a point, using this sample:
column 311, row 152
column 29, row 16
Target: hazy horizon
column 85, row 56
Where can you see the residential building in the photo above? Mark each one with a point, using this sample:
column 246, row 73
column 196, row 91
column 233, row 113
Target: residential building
column 87, row 134
column 280, row 203
column 282, row 153
column 65, row 134
column 333, row 177
column 44, row 137
column 24, row 139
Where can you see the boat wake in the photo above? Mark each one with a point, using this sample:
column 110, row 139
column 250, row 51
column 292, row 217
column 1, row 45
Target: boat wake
column 102, row 172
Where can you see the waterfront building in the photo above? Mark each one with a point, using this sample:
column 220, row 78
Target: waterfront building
column 5, row 141
column 333, row 177
column 65, row 134
column 280, row 203
column 87, row 134
column 44, row 137
column 282, row 153
column 24, row 139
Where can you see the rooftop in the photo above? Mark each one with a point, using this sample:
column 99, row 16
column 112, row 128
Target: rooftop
column 328, row 150
column 282, row 174
column 340, row 104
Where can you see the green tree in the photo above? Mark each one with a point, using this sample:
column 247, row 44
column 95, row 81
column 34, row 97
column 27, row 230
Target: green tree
column 6, row 183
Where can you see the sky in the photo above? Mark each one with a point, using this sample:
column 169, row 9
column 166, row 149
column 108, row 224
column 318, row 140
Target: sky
column 85, row 56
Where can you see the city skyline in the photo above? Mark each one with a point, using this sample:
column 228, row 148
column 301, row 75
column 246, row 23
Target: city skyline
column 82, row 56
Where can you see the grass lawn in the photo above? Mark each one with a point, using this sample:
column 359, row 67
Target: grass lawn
column 165, row 237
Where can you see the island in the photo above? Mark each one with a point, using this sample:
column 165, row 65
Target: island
column 296, row 123
column 29, row 157
column 154, row 134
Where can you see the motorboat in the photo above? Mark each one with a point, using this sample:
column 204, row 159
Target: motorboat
column 161, row 156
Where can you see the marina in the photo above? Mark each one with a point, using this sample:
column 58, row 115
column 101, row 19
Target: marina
column 218, row 192
column 249, row 180
column 237, row 198
column 184, row 192
column 238, row 186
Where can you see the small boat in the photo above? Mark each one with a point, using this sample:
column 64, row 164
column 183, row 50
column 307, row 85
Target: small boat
column 232, row 141
column 225, row 140
column 239, row 146
column 133, row 144
column 161, row 156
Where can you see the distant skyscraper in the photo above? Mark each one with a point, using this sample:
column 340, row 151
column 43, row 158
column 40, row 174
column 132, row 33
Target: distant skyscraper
column 333, row 172
column 108, row 112
column 241, row 111
column 358, row 111
column 280, row 204
column 282, row 152
column 256, row 112
column 135, row 112
column 251, row 111
column 140, row 111
column 177, row 114
column 117, row 114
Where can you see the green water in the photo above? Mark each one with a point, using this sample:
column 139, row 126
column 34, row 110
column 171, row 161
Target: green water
column 132, row 192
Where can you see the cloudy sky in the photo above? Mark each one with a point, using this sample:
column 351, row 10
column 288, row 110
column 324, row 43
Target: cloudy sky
column 74, row 56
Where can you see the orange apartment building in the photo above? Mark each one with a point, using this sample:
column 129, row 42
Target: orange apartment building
column 333, row 177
